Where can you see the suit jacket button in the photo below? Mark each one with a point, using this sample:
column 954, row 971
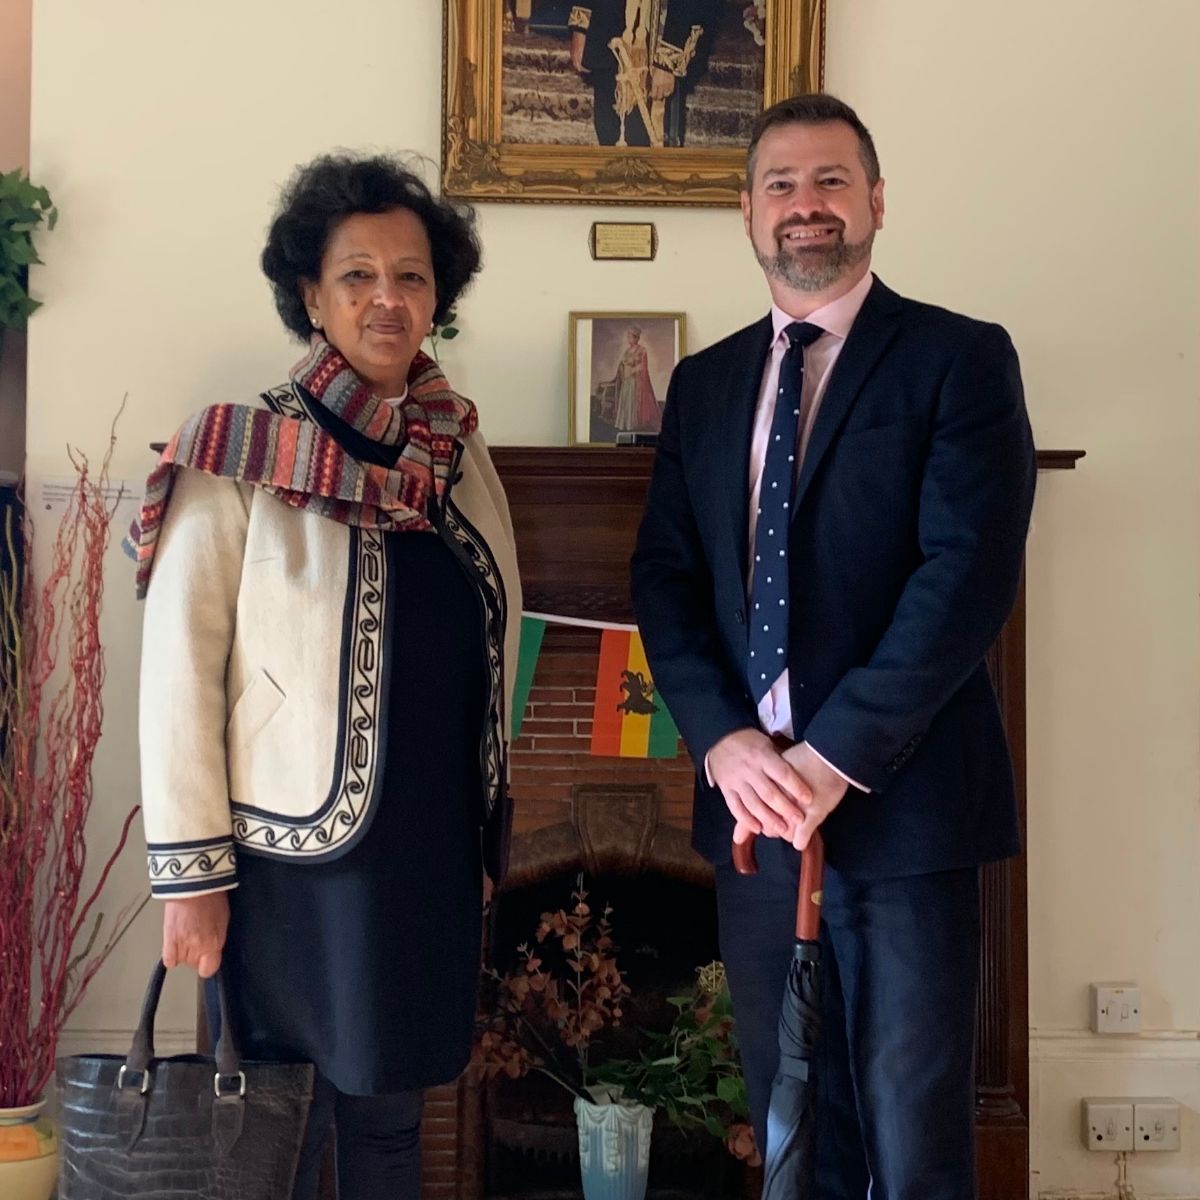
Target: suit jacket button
column 739, row 616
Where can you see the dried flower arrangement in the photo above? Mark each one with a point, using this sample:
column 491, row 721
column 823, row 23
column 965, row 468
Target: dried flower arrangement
column 543, row 1015
column 51, row 708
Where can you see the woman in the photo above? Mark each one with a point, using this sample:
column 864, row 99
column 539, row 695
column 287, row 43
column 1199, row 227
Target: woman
column 637, row 406
column 331, row 604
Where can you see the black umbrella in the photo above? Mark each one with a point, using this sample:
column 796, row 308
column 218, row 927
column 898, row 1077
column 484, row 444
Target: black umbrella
column 789, row 1159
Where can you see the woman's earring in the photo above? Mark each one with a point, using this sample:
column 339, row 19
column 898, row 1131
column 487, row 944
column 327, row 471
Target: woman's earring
column 315, row 323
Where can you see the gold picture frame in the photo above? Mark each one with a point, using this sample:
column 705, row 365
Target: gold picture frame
column 618, row 368
column 494, row 143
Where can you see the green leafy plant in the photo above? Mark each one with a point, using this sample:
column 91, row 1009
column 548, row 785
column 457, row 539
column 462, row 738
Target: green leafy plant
column 447, row 331
column 692, row 1073
column 23, row 207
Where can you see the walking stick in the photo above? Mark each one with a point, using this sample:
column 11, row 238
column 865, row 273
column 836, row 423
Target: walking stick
column 789, row 1158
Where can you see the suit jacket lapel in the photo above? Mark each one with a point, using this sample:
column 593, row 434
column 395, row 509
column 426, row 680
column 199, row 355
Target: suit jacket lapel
column 872, row 331
column 740, row 396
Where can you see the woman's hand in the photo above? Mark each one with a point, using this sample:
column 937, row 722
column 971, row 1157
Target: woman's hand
column 194, row 932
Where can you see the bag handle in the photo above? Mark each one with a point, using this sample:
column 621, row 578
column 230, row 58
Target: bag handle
column 135, row 1076
column 141, row 1051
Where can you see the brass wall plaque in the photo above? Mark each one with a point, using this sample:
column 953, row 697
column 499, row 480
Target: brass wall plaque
column 623, row 240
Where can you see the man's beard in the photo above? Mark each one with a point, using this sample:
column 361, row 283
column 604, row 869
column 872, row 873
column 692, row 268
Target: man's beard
column 813, row 269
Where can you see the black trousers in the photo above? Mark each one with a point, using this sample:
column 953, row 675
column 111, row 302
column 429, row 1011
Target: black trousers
column 378, row 1140
column 895, row 1089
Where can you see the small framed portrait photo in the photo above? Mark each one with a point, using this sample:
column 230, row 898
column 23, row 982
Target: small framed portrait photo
column 619, row 365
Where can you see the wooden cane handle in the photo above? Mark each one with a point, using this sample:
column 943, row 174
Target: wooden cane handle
column 812, row 880
column 744, row 862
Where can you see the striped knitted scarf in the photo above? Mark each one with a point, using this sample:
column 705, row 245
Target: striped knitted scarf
column 305, row 467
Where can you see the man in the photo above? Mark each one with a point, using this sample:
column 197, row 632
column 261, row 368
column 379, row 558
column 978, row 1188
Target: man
column 832, row 540
column 640, row 58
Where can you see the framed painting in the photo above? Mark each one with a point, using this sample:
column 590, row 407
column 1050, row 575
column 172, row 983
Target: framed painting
column 616, row 101
column 619, row 365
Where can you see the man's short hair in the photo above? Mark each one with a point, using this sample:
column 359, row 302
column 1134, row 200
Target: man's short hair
column 816, row 108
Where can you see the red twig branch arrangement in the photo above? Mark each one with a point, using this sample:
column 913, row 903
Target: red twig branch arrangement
column 51, row 708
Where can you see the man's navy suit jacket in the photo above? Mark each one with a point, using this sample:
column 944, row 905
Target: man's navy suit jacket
column 907, row 538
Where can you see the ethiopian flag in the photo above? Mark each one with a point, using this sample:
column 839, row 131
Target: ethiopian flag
column 533, row 629
column 630, row 720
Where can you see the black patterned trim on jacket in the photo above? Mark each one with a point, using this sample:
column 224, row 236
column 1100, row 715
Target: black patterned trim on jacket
column 209, row 865
column 344, row 816
column 283, row 400
column 467, row 542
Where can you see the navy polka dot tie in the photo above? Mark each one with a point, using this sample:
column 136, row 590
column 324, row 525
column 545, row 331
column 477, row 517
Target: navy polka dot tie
column 769, row 583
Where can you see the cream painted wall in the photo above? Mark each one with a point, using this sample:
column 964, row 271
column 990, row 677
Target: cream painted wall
column 1043, row 168
column 15, row 20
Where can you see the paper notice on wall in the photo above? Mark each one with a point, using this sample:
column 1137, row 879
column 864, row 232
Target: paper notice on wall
column 122, row 497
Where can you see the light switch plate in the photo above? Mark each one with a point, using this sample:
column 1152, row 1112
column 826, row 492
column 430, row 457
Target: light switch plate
column 1107, row 1123
column 1115, row 1007
column 1155, row 1123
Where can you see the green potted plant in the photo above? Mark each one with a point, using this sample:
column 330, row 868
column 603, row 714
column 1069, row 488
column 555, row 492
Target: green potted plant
column 565, row 990
column 23, row 208
column 692, row 1073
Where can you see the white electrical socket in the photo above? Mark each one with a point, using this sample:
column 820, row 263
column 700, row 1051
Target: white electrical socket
column 1107, row 1123
column 1155, row 1123
column 1115, row 1007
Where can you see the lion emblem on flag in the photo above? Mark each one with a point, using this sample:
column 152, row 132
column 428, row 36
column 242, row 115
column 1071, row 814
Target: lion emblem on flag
column 639, row 694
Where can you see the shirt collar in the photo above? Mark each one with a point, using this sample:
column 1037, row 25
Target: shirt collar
column 836, row 317
column 394, row 400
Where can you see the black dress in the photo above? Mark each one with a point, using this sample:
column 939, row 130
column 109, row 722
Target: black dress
column 367, row 966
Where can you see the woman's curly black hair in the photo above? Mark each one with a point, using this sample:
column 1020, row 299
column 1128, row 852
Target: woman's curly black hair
column 335, row 186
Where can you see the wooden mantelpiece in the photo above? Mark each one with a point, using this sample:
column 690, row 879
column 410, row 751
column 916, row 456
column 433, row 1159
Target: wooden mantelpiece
column 575, row 512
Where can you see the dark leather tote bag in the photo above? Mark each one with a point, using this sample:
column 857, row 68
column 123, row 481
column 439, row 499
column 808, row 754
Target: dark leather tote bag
column 146, row 1128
